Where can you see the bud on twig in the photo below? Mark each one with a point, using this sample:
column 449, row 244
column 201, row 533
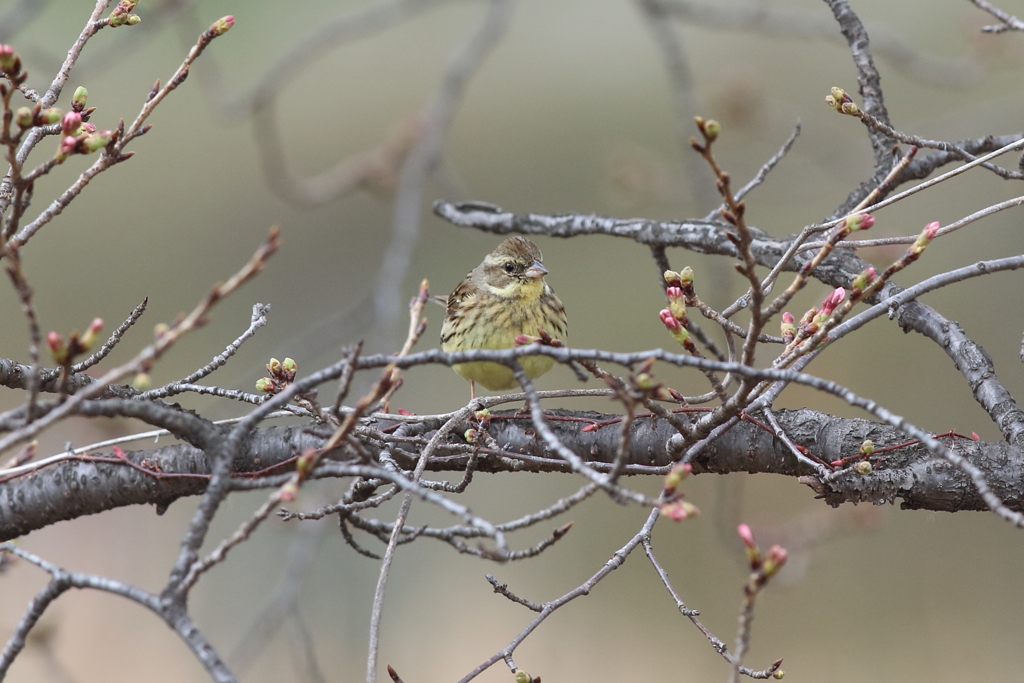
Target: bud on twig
column 79, row 99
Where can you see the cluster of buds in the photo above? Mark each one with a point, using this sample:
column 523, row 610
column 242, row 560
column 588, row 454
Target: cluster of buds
column 922, row 241
column 676, row 509
column 79, row 137
column 281, row 375
column 64, row 351
column 474, row 434
column 680, row 288
column 814, row 318
column 762, row 566
column 709, row 129
column 122, row 14
column 27, row 117
column 866, row 449
column 842, row 102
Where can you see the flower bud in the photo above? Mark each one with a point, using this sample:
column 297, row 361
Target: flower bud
column 49, row 116
column 24, row 117
column 831, row 301
column 711, row 130
column 862, row 467
column 133, row 19
column 676, row 304
column 9, row 62
column 67, row 146
column 89, row 338
column 676, row 475
column 70, row 123
column 774, row 561
column 58, row 350
column 470, row 435
column 96, row 141
column 671, row 278
column 79, row 99
column 679, row 510
column 142, row 381
column 864, row 279
column 788, row 327
column 305, row 463
column 289, row 492
column 274, row 366
column 867, row 448
column 746, row 535
column 673, row 326
column 925, row 239
column 266, row 385
column 222, row 25
column 523, row 677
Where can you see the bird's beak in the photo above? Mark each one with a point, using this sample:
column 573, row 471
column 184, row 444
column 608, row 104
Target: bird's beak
column 537, row 270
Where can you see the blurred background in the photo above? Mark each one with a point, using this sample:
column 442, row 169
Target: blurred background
column 572, row 111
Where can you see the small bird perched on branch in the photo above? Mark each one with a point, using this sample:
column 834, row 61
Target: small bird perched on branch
column 502, row 298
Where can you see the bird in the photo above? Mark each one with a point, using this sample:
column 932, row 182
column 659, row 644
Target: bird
column 503, row 297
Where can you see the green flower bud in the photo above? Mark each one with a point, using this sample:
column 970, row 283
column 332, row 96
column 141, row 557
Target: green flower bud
column 23, row 117
column 711, row 130
column 79, row 99
column 50, row 116
column 96, row 141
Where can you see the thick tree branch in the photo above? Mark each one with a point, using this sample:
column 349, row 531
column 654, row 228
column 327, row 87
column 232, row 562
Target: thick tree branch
column 910, row 473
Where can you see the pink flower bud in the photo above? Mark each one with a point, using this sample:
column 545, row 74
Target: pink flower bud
column 71, row 122
column 57, row 348
column 67, row 146
column 669, row 320
column 832, row 300
column 676, row 304
column 924, row 239
column 746, row 535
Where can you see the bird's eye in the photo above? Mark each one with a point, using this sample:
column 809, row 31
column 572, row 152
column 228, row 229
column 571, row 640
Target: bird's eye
column 509, row 267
